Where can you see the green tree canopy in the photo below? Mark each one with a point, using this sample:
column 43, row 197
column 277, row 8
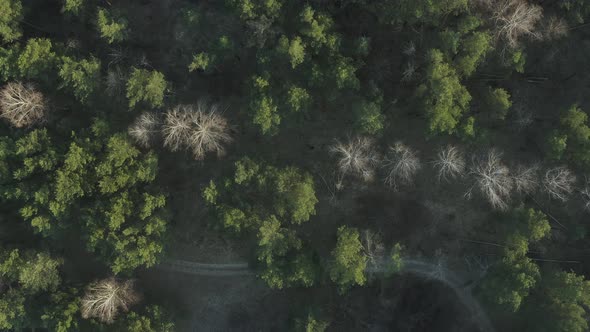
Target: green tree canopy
column 113, row 28
column 146, row 86
column 11, row 13
column 445, row 99
column 349, row 262
column 268, row 200
column 81, row 77
column 572, row 139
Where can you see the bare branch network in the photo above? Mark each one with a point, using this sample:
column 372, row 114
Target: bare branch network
column 559, row 182
column 449, row 163
column 401, row 164
column 21, row 104
column 145, row 129
column 492, row 179
column 104, row 299
column 200, row 128
column 358, row 157
column 514, row 19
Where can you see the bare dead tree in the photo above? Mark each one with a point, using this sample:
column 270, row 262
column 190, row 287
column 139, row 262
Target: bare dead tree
column 145, row 128
column 358, row 157
column 211, row 131
column 409, row 49
column 373, row 246
column 401, row 165
column 559, row 183
column 585, row 193
column 177, row 127
column 555, row 28
column 114, row 82
column 200, row 128
column 21, row 105
column 526, row 179
column 449, row 163
column 514, row 19
column 492, row 179
column 409, row 72
column 104, row 299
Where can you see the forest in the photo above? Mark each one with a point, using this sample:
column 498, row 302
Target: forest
column 285, row 165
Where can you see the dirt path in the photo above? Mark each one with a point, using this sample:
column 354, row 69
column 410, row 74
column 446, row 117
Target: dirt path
column 218, row 270
column 421, row 267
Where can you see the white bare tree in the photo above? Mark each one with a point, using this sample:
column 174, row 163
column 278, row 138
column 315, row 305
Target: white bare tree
column 409, row 49
column 373, row 246
column 492, row 179
column 211, row 131
column 585, row 193
column 514, row 19
column 358, row 157
column 401, row 164
column 559, row 182
column 104, row 299
column 449, row 163
column 555, row 28
column 409, row 72
column 177, row 127
column 145, row 128
column 526, row 179
column 114, row 82
column 200, row 128
column 21, row 104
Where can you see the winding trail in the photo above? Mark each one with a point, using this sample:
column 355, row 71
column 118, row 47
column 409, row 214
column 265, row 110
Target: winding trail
column 458, row 284
column 418, row 266
column 202, row 269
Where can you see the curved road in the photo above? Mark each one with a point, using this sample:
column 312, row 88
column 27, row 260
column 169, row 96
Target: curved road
column 419, row 267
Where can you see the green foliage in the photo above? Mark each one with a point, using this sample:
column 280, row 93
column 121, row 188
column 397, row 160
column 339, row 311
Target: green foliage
column 572, row 140
column 202, row 61
column 397, row 262
column 263, row 108
column 153, row 319
column 102, row 180
column 61, row 315
column 36, row 59
column 9, row 62
column 255, row 9
column 445, row 99
column 561, row 304
column 294, row 49
column 349, row 262
column 418, row 11
column 473, row 49
column 72, row 6
column 510, row 280
column 518, row 60
column 344, row 74
column 368, row 117
column 40, row 273
column 298, row 99
column 556, row 145
column 12, row 309
column 497, row 102
column 259, row 198
column 316, row 26
column 310, row 324
column 111, row 27
column 146, row 86
column 81, row 77
column 11, row 13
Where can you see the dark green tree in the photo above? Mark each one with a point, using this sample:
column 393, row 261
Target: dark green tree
column 348, row 260
column 146, row 86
